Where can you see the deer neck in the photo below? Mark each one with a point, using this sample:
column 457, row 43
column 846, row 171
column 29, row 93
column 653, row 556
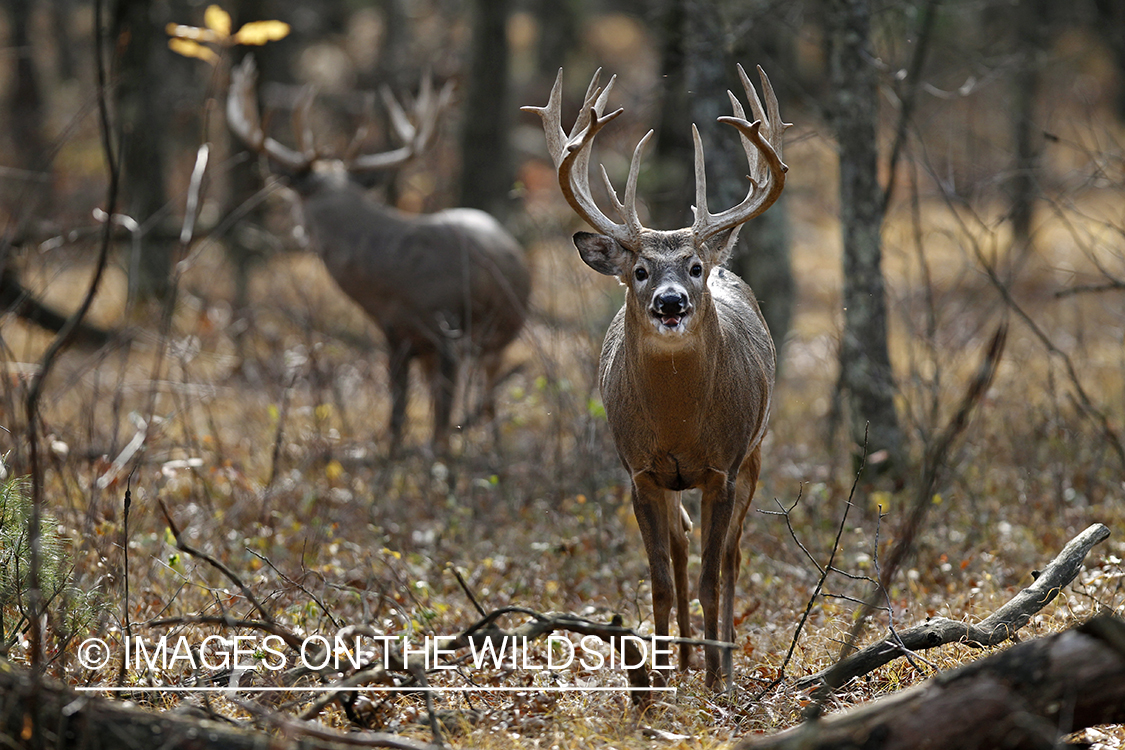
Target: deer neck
column 352, row 232
column 676, row 374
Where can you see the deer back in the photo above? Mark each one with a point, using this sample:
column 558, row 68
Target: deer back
column 431, row 278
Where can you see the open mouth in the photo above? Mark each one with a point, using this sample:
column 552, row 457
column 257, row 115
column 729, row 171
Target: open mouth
column 669, row 322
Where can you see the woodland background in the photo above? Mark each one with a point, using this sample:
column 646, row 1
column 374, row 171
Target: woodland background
column 248, row 395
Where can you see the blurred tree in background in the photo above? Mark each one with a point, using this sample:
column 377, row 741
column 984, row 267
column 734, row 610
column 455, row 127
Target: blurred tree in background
column 979, row 117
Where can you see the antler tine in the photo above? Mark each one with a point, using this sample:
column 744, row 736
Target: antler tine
column 244, row 120
column 763, row 152
column 571, row 154
column 755, row 102
column 551, row 115
column 400, row 123
column 416, row 136
column 429, row 108
column 302, row 129
column 628, row 210
column 700, row 207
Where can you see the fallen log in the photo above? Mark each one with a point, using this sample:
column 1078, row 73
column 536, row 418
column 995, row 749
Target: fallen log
column 1025, row 697
column 45, row 713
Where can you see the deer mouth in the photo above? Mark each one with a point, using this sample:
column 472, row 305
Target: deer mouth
column 669, row 322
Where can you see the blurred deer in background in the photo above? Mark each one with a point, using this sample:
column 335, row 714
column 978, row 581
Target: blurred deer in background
column 687, row 366
column 441, row 286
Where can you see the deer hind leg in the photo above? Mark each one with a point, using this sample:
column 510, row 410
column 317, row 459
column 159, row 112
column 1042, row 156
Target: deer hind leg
column 401, row 353
column 717, row 512
column 442, row 370
column 490, row 364
column 650, row 505
column 679, row 528
column 732, row 555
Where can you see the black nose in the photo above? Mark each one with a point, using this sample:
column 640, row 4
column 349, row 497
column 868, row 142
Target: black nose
column 671, row 303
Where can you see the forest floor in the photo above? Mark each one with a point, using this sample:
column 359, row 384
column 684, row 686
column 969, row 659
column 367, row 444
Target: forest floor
column 265, row 439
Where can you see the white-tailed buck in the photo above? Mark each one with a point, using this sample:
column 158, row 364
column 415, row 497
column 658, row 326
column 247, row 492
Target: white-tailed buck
column 440, row 286
column 687, row 366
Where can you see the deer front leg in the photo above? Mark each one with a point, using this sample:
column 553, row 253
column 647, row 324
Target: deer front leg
column 732, row 559
column 718, row 510
column 650, row 506
column 679, row 528
column 398, row 366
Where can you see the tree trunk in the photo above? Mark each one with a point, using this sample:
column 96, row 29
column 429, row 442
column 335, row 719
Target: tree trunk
column 866, row 378
column 1110, row 22
column 671, row 191
column 486, row 176
column 143, row 116
column 558, row 34
column 712, row 48
column 1031, row 37
column 25, row 112
column 25, row 107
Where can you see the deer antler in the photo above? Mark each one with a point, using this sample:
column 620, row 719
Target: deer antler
column 243, row 118
column 761, row 138
column 571, row 154
column 416, row 138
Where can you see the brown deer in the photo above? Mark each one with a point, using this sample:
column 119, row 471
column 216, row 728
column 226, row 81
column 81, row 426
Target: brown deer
column 687, row 366
column 440, row 286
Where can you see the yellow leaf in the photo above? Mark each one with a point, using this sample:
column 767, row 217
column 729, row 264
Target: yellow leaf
column 333, row 470
column 218, row 20
column 260, row 32
column 188, row 48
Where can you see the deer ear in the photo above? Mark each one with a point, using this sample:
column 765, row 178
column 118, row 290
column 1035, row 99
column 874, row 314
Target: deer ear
column 721, row 246
column 601, row 253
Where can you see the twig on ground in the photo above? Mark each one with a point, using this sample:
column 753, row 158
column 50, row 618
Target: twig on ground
column 467, row 590
column 290, row 727
column 934, row 461
column 993, row 630
column 186, row 548
column 824, row 571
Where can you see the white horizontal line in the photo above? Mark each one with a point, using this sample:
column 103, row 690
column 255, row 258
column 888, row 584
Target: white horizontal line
column 268, row 689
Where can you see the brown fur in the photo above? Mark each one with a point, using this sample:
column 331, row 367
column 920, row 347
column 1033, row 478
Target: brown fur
column 687, row 410
column 442, row 287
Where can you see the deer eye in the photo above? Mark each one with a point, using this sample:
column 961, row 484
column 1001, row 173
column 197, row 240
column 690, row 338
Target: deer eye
column 696, row 270
column 640, row 273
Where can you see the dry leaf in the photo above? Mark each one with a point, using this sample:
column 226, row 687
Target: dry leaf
column 218, row 20
column 188, row 48
column 260, row 32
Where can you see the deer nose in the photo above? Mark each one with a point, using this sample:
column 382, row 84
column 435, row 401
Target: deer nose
column 670, row 303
